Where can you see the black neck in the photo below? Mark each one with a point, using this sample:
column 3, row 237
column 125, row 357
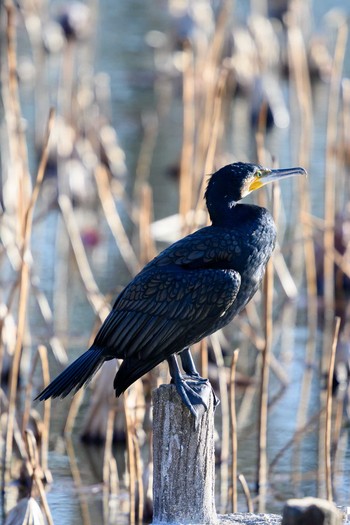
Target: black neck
column 228, row 216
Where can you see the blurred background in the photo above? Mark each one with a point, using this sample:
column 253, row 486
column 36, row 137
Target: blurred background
column 149, row 98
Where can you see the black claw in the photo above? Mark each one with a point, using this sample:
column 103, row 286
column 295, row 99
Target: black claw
column 196, row 378
column 193, row 389
column 216, row 399
column 191, row 394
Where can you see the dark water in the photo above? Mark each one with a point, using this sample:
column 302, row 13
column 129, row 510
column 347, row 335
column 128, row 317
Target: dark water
column 122, row 53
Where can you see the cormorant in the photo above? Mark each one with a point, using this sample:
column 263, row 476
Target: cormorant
column 191, row 289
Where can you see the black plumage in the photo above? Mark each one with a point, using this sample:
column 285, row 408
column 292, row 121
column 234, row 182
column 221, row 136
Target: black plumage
column 191, row 289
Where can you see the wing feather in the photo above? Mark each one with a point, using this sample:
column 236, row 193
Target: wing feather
column 165, row 309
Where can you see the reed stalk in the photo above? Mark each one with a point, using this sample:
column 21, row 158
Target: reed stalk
column 108, row 450
column 203, row 352
column 114, row 222
column 73, row 412
column 28, row 395
column 246, row 407
column 139, row 481
column 44, row 428
column 147, row 246
column 144, row 161
column 113, row 477
column 187, row 153
column 47, row 314
column 47, row 410
column 225, row 421
column 233, row 429
column 93, row 294
column 331, row 165
column 131, row 460
column 267, row 350
column 262, row 458
column 108, row 445
column 338, row 423
column 246, row 491
column 216, row 121
column 24, row 283
column 300, row 78
column 328, row 424
column 16, row 136
column 212, row 137
column 331, row 172
column 300, row 82
column 212, row 74
column 33, row 456
column 78, row 482
column 283, row 273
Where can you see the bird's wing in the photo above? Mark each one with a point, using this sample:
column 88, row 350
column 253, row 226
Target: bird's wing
column 210, row 247
column 163, row 310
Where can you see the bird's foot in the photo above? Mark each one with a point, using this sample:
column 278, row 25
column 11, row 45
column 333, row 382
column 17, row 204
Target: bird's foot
column 195, row 377
column 192, row 394
column 202, row 381
column 194, row 390
column 195, row 394
column 216, row 400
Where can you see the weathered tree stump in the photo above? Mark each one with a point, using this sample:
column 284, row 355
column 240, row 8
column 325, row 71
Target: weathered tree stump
column 183, row 459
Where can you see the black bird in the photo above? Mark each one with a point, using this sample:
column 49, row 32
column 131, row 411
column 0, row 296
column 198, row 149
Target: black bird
column 191, row 289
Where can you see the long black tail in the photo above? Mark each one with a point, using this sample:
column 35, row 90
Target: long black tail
column 75, row 375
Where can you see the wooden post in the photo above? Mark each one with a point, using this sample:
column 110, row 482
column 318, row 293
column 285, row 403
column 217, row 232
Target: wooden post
column 183, row 459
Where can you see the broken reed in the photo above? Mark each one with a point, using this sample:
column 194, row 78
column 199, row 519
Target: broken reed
column 22, row 239
column 24, row 220
column 333, row 168
column 301, row 99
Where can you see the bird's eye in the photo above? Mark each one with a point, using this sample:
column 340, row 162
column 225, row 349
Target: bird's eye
column 261, row 173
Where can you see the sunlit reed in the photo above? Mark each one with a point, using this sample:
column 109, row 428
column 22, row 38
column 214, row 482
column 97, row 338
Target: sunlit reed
column 234, row 430
column 329, row 489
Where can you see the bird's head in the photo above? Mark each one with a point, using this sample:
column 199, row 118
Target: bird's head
column 233, row 182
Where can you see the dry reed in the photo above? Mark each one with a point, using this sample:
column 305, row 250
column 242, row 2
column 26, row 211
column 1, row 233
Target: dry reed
column 23, row 298
column 131, row 461
column 246, row 491
column 78, row 482
column 113, row 219
column 328, row 426
column 225, row 417
column 233, row 430
column 34, row 464
column 262, row 462
column 93, row 293
column 188, row 137
column 331, row 166
column 147, row 244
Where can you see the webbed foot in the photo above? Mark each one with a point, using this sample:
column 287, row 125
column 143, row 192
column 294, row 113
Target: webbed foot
column 192, row 373
column 193, row 389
